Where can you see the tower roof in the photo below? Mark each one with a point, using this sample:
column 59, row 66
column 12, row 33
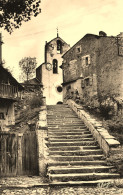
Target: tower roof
column 57, row 38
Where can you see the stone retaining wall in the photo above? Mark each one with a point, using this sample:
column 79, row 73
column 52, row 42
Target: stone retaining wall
column 107, row 142
column 42, row 138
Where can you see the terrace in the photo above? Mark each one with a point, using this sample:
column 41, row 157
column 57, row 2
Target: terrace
column 8, row 91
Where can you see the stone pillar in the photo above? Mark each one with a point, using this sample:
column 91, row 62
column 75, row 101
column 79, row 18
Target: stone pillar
column 42, row 151
column 42, row 140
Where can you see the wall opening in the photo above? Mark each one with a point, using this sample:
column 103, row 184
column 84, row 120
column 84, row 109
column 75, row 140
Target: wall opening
column 59, row 46
column 59, row 89
column 86, row 61
column 87, row 81
column 2, row 116
column 59, row 102
column 55, row 66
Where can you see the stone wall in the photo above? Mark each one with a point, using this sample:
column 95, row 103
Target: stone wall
column 94, row 68
column 42, row 141
column 79, row 65
column 110, row 76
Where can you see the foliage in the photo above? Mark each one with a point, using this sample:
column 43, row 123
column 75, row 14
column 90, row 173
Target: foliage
column 36, row 101
column 28, row 66
column 14, row 12
column 115, row 127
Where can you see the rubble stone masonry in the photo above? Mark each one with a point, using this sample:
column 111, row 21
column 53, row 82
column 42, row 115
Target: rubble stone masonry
column 93, row 72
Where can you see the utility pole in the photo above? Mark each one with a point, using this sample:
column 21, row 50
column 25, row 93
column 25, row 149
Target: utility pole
column 1, row 49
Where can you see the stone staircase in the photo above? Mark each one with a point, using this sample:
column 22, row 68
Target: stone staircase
column 74, row 156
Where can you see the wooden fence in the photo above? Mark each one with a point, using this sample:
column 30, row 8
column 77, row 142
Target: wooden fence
column 18, row 154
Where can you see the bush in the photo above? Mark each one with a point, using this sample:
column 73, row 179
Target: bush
column 115, row 127
column 36, row 101
column 117, row 161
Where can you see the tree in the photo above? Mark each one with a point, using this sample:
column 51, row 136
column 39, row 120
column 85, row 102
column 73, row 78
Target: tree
column 28, row 66
column 14, row 12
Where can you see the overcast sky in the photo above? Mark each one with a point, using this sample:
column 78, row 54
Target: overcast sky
column 74, row 18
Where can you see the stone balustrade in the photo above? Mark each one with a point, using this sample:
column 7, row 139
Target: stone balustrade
column 107, row 142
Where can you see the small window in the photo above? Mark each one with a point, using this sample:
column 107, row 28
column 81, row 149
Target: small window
column 87, row 82
column 2, row 116
column 55, row 66
column 78, row 49
column 59, row 89
column 86, row 61
column 59, row 46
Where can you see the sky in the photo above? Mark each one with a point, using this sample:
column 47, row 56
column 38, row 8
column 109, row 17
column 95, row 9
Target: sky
column 74, row 19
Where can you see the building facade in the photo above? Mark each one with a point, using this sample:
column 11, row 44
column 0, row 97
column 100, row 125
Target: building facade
column 93, row 71
column 9, row 93
column 49, row 73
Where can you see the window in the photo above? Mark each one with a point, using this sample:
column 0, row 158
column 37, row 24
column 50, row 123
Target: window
column 78, row 49
column 87, row 81
column 2, row 115
column 86, row 60
column 55, row 66
column 59, row 46
column 59, row 89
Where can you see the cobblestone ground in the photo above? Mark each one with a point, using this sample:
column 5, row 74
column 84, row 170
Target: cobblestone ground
column 63, row 191
column 36, row 186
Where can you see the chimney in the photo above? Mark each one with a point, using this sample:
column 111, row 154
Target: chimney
column 102, row 34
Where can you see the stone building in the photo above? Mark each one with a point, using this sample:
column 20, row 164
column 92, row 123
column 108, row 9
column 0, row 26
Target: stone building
column 49, row 73
column 93, row 72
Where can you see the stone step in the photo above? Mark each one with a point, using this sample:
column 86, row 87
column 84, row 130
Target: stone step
column 107, row 183
column 71, row 148
column 76, row 152
column 77, row 158
column 68, row 125
column 64, row 119
column 74, row 156
column 71, row 137
column 77, row 163
column 82, row 143
column 72, row 128
column 59, row 116
column 70, row 140
column 79, row 169
column 56, row 128
column 53, row 129
column 65, row 123
column 82, row 176
column 66, row 133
